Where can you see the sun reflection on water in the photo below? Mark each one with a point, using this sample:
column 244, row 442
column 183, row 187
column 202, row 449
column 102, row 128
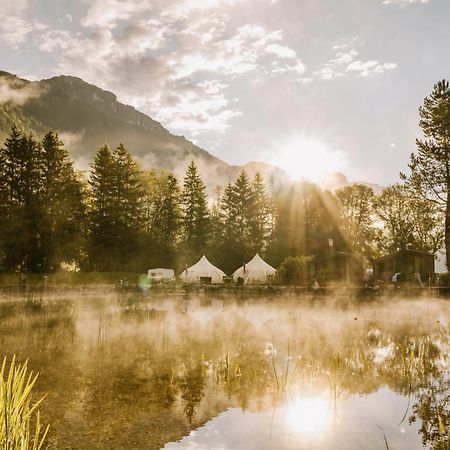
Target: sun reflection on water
column 308, row 417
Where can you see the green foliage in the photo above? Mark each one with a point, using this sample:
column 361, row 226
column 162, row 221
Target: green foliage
column 306, row 219
column 195, row 214
column 408, row 222
column 295, row 270
column 430, row 173
column 41, row 202
column 115, row 211
column 355, row 206
column 162, row 218
column 17, row 411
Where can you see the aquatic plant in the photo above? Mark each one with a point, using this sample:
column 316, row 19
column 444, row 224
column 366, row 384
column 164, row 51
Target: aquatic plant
column 17, row 410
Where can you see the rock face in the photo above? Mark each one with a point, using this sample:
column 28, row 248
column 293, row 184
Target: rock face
column 87, row 117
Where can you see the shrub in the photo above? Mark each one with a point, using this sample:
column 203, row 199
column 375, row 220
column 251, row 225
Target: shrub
column 295, row 270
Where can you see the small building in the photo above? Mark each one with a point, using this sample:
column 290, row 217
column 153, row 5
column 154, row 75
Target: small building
column 203, row 272
column 407, row 262
column 338, row 267
column 256, row 271
column 161, row 275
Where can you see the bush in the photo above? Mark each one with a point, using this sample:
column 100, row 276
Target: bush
column 295, row 270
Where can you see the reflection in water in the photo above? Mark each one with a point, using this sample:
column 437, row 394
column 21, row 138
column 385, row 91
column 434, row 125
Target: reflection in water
column 308, row 416
column 141, row 372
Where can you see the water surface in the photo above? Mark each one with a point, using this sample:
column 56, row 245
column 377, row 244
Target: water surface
column 173, row 372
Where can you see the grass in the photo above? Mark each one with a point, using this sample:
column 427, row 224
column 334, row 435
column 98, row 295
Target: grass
column 71, row 278
column 17, row 412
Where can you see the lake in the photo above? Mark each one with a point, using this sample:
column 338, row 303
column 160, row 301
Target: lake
column 176, row 372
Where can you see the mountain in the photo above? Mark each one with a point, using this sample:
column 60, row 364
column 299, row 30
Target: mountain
column 87, row 117
column 337, row 180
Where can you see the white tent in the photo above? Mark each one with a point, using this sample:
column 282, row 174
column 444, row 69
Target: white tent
column 202, row 272
column 255, row 271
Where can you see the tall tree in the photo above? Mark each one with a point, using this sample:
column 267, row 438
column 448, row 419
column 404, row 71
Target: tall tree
column 259, row 215
column 195, row 214
column 430, row 166
column 62, row 203
column 408, row 222
column 355, row 205
column 164, row 219
column 21, row 183
column 115, row 210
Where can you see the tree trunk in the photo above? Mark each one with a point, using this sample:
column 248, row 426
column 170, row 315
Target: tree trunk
column 447, row 232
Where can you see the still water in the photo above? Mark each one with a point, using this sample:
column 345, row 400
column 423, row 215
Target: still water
column 153, row 372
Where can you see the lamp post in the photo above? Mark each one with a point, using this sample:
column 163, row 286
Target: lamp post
column 330, row 245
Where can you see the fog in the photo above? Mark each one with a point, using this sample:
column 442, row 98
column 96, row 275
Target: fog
column 140, row 371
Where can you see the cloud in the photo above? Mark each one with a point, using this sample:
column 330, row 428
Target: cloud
column 282, row 51
column 16, row 91
column 15, row 30
column 404, row 2
column 12, row 7
column 346, row 62
column 106, row 13
column 370, row 68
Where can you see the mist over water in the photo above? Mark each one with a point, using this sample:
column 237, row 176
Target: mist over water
column 201, row 372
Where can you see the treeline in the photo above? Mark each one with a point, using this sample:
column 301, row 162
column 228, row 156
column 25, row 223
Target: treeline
column 123, row 218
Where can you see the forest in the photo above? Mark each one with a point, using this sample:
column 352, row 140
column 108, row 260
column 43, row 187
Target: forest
column 123, row 217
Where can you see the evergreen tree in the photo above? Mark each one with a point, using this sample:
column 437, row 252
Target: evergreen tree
column 195, row 214
column 61, row 199
column 21, row 183
column 259, row 216
column 165, row 219
column 430, row 166
column 115, row 210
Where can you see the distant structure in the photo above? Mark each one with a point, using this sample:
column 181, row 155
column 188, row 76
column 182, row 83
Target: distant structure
column 203, row 272
column 256, row 271
column 161, row 275
column 339, row 267
column 407, row 262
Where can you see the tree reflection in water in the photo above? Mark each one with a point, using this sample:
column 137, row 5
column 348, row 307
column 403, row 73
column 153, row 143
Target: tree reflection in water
column 120, row 374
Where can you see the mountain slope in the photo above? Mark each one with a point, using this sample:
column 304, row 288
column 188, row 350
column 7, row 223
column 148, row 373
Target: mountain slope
column 87, row 117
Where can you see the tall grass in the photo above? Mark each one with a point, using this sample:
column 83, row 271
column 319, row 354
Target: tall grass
column 17, row 412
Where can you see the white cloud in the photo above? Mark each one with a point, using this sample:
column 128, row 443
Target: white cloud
column 404, row 2
column 14, row 90
column 106, row 13
column 12, row 7
column 347, row 62
column 282, row 51
column 178, row 63
column 185, row 8
column 370, row 68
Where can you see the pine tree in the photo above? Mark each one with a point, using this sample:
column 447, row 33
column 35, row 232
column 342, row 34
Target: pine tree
column 430, row 166
column 259, row 216
column 165, row 221
column 195, row 214
column 115, row 210
column 21, row 183
column 61, row 199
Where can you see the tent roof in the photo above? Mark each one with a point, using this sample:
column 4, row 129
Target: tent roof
column 203, row 265
column 258, row 264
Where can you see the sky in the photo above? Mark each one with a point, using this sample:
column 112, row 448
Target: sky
column 312, row 86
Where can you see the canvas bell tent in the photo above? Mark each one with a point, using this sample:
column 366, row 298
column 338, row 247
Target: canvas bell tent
column 255, row 271
column 203, row 272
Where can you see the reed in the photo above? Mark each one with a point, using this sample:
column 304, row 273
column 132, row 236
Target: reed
column 17, row 412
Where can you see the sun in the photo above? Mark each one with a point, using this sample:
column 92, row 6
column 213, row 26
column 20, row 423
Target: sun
column 307, row 157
